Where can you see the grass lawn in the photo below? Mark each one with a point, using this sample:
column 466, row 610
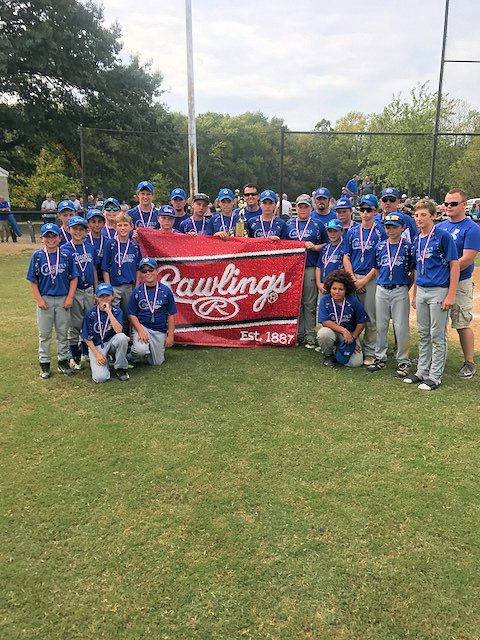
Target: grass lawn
column 231, row 494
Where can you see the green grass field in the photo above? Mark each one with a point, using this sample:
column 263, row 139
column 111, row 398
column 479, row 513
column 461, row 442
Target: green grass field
column 233, row 494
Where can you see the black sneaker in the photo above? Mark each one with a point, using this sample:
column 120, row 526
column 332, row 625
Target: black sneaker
column 64, row 367
column 122, row 374
column 403, row 369
column 45, row 370
column 328, row 361
column 378, row 365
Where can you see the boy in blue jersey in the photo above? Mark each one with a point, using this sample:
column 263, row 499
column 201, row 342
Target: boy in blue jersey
column 343, row 211
column 144, row 214
column 395, row 267
column 197, row 224
column 343, row 319
column 120, row 262
column 86, row 258
column 178, row 200
column 330, row 257
column 53, row 277
column 66, row 209
column 313, row 234
column 437, row 271
column 225, row 221
column 102, row 332
column 151, row 310
column 322, row 211
column 96, row 221
column 266, row 225
column 359, row 260
column 166, row 218
column 390, row 204
column 111, row 209
column 466, row 235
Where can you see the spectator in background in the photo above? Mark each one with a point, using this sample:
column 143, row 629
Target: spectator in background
column 49, row 205
column 90, row 203
column 4, row 226
column 99, row 200
column 124, row 206
column 367, row 186
column 352, row 189
column 76, row 203
column 285, row 209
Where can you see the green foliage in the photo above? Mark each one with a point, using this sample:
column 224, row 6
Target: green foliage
column 466, row 170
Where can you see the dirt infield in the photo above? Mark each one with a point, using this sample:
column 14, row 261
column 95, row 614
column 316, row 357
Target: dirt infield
column 25, row 246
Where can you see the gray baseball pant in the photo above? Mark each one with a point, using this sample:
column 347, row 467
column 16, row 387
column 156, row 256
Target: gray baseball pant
column 368, row 302
column 117, row 347
column 392, row 304
column 122, row 294
column 153, row 350
column 328, row 338
column 82, row 302
column 54, row 316
column 432, row 325
column 308, row 305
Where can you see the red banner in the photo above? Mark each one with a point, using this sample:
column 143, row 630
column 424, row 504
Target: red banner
column 240, row 292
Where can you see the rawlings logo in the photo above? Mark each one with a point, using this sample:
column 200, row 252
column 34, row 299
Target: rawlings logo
column 216, row 297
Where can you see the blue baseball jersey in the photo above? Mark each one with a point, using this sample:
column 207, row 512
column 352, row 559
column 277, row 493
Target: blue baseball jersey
column 308, row 231
column 249, row 215
column 410, row 232
column 148, row 219
column 53, row 279
column 273, row 227
column 109, row 233
column 164, row 306
column 202, row 227
column 122, row 265
column 441, row 249
column 86, row 262
column 353, row 312
column 65, row 236
column 352, row 185
column 363, row 263
column 92, row 330
column 466, row 235
column 324, row 218
column 178, row 221
column 98, row 243
column 225, row 223
column 403, row 266
column 330, row 258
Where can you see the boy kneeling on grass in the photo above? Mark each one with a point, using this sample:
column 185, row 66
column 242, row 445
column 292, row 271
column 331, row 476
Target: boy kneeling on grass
column 102, row 332
column 343, row 319
column 151, row 309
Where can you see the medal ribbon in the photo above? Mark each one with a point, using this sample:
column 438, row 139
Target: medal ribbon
column 103, row 332
column 107, row 229
column 364, row 247
column 121, row 260
column 422, row 255
column 64, row 234
column 337, row 320
column 390, row 263
column 143, row 219
column 230, row 226
column 328, row 258
column 195, row 226
column 151, row 307
column 300, row 237
column 270, row 228
column 100, row 249
column 56, row 264
column 77, row 257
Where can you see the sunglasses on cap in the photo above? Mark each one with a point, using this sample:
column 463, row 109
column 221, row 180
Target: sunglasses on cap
column 389, row 199
column 453, row 204
column 147, row 270
column 111, row 209
column 367, row 209
column 393, row 218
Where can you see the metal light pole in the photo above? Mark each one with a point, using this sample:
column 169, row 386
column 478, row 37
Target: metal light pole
column 192, row 131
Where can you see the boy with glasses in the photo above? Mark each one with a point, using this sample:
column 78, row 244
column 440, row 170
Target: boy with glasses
column 151, row 309
column 466, row 235
column 111, row 208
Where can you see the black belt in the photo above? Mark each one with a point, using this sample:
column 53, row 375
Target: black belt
column 389, row 287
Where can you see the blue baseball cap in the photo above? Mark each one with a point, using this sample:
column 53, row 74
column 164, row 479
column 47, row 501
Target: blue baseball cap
column 390, row 191
column 369, row 199
column 225, row 194
column 166, row 210
column 50, row 227
column 66, row 204
column 343, row 203
column 94, row 213
column 394, row 220
column 145, row 184
column 268, row 194
column 104, row 289
column 178, row 193
column 111, row 201
column 322, row 192
column 151, row 262
column 334, row 224
column 77, row 220
column 344, row 350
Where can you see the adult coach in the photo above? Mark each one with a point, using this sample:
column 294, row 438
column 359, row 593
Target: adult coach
column 391, row 204
column 251, row 197
column 466, row 235
column 322, row 212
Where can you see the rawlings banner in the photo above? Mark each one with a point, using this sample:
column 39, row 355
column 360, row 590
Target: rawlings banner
column 242, row 292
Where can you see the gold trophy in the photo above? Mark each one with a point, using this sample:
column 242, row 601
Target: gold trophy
column 240, row 226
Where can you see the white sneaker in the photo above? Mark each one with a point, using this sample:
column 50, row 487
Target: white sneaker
column 76, row 366
column 368, row 360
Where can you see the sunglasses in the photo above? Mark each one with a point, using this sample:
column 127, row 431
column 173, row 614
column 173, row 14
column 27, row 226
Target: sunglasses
column 389, row 199
column 112, row 209
column 452, row 204
column 247, row 195
column 146, row 270
column 367, row 209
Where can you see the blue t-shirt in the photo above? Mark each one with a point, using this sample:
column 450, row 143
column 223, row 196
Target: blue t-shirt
column 330, row 258
column 410, row 232
column 274, row 227
column 331, row 215
column 352, row 185
column 249, row 215
column 4, row 214
column 362, row 264
column 164, row 306
column 203, row 227
column 52, row 281
column 126, row 261
column 225, row 223
column 144, row 218
column 308, row 231
column 178, row 221
column 353, row 312
column 86, row 262
column 440, row 251
column 404, row 263
column 466, row 235
column 91, row 329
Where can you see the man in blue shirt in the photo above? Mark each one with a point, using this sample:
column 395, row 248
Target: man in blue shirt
column 4, row 211
column 250, row 197
column 466, row 235
column 322, row 212
column 352, row 189
column 391, row 204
